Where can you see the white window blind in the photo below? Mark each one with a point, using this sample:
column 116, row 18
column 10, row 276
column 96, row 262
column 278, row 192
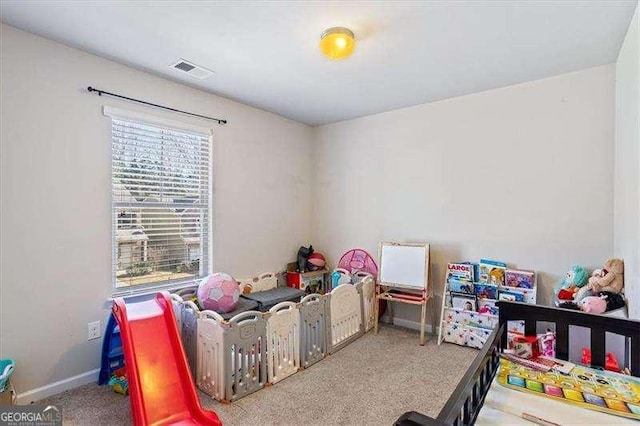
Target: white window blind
column 161, row 202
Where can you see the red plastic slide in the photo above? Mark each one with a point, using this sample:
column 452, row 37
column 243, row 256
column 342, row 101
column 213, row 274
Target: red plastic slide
column 160, row 384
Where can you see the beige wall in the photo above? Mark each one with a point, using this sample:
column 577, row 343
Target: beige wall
column 56, row 218
column 627, row 158
column 522, row 174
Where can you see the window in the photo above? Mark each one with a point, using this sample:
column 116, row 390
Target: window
column 160, row 207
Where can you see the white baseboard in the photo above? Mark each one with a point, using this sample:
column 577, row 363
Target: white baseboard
column 414, row 325
column 50, row 389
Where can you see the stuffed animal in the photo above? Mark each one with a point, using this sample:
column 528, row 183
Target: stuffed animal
column 614, row 300
column 594, row 304
column 613, row 279
column 575, row 278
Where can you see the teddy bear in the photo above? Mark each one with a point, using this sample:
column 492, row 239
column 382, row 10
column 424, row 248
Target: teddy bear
column 613, row 279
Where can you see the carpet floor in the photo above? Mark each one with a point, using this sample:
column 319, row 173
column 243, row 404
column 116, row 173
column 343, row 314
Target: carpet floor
column 371, row 381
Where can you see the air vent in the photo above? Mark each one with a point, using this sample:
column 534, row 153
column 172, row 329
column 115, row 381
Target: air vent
column 192, row 69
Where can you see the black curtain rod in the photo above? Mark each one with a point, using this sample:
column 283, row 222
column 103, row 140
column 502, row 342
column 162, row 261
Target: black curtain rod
column 101, row 92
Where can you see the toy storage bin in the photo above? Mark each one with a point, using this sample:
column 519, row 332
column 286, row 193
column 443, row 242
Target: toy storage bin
column 313, row 329
column 283, row 341
column 232, row 356
column 344, row 316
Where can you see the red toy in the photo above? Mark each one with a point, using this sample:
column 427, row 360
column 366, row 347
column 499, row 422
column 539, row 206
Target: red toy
column 160, row 385
column 526, row 346
column 610, row 362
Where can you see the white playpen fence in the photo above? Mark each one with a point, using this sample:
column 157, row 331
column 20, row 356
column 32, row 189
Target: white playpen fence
column 283, row 341
column 344, row 314
column 313, row 329
column 232, row 356
column 231, row 359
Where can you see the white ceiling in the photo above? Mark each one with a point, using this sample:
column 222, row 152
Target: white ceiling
column 266, row 54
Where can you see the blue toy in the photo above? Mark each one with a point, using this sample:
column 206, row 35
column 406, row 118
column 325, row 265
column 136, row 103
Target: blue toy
column 575, row 278
column 6, row 368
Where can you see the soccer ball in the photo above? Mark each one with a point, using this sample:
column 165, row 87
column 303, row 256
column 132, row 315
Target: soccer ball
column 219, row 292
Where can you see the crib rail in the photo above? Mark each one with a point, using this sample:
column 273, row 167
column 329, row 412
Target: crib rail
column 465, row 403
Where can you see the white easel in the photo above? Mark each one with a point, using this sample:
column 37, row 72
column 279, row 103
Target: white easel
column 404, row 268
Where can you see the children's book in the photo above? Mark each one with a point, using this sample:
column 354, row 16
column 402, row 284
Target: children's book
column 519, row 278
column 511, row 296
column 526, row 295
column 487, row 306
column 460, row 271
column 492, row 272
column 464, row 301
column 460, row 286
column 486, row 291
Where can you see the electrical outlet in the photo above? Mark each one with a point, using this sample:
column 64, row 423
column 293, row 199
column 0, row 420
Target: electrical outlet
column 93, row 330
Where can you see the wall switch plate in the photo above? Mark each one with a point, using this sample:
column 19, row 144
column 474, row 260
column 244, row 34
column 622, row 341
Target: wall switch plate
column 93, row 331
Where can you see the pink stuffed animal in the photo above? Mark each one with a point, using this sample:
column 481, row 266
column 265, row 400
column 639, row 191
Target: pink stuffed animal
column 594, row 304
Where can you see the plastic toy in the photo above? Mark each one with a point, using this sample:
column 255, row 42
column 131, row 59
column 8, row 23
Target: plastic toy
column 340, row 276
column 575, row 278
column 219, row 292
column 161, row 389
column 594, row 304
column 610, row 362
column 119, row 382
column 526, row 346
column 6, row 369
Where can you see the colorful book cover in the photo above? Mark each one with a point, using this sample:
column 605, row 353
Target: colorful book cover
column 511, row 296
column 519, row 278
column 460, row 271
column 526, row 295
column 486, row 291
column 492, row 272
column 460, row 286
column 487, row 306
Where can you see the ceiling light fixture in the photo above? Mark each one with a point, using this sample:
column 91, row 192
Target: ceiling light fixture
column 337, row 43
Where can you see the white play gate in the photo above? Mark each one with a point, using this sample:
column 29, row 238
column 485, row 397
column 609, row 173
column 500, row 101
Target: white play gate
column 283, row 341
column 231, row 359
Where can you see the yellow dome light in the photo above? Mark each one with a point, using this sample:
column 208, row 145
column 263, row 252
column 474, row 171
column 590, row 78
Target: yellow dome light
column 337, row 43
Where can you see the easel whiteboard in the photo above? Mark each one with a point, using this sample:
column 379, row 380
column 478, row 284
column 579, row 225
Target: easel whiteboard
column 404, row 265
